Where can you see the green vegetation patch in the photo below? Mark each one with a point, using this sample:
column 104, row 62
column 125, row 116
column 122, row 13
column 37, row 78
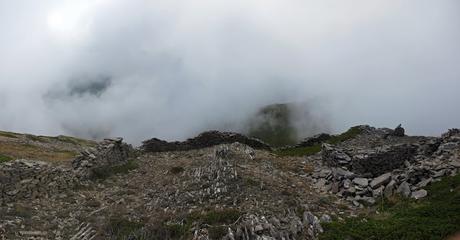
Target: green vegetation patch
column 34, row 138
column 120, row 228
column 225, row 216
column 435, row 217
column 300, row 151
column 74, row 140
column 8, row 134
column 4, row 158
column 273, row 125
column 349, row 134
column 105, row 172
column 311, row 150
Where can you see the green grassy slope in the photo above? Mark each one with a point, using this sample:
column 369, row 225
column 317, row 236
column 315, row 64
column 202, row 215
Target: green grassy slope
column 433, row 218
column 302, row 151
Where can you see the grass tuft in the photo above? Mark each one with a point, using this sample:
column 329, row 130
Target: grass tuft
column 5, row 158
column 8, row 134
column 300, row 151
column 120, row 228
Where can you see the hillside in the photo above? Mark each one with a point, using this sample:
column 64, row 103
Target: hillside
column 273, row 124
column 363, row 184
column 282, row 125
column 59, row 149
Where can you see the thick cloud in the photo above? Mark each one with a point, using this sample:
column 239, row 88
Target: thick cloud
column 173, row 68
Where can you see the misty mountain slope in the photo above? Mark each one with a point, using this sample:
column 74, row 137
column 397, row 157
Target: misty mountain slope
column 286, row 124
column 58, row 150
column 273, row 125
column 166, row 189
column 232, row 191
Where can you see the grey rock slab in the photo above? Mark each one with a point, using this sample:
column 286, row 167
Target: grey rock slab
column 404, row 189
column 455, row 164
column 380, row 180
column 419, row 194
column 439, row 173
column 389, row 189
column 424, row 182
column 376, row 193
column 362, row 182
column 325, row 218
column 339, row 172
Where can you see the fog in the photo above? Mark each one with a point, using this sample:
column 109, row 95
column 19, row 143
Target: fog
column 171, row 69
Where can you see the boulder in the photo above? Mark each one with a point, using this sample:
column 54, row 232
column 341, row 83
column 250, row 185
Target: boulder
column 399, row 131
column 389, row 189
column 362, row 182
column 108, row 153
column 404, row 189
column 340, row 173
column 380, row 180
column 419, row 194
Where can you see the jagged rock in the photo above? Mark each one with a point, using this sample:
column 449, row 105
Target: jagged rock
column 347, row 183
column 323, row 173
column 438, row 174
column 380, row 180
column 376, row 193
column 419, row 194
column 204, row 140
column 399, row 131
column 340, row 173
column 335, row 187
column 452, row 135
column 404, row 189
column 455, row 163
column 389, row 189
column 362, row 182
column 325, row 218
column 108, row 153
column 349, row 191
column 334, row 157
column 368, row 200
column 424, row 182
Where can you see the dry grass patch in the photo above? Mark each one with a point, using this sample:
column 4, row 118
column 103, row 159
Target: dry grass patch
column 27, row 151
column 8, row 134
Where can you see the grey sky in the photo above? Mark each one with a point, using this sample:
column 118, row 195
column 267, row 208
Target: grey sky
column 171, row 68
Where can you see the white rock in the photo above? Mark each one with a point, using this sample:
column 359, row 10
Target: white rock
column 419, row 194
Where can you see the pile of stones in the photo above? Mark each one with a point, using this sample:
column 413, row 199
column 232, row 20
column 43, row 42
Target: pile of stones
column 287, row 227
column 366, row 175
column 372, row 162
column 204, row 140
column 27, row 179
column 216, row 181
column 108, row 153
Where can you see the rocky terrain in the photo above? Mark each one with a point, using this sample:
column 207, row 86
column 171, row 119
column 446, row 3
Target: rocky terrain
column 215, row 186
